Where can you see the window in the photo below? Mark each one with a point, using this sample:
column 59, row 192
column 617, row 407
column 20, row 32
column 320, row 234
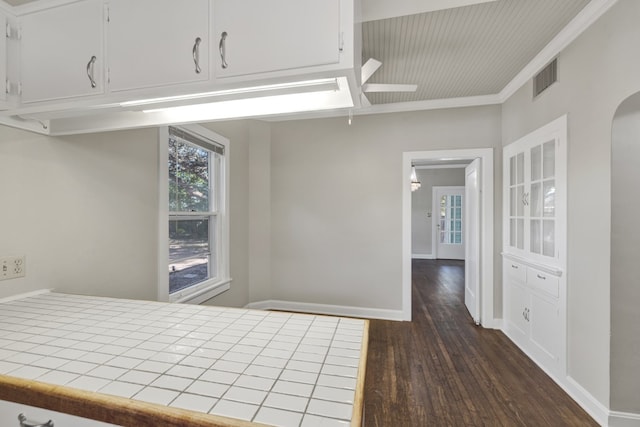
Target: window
column 193, row 187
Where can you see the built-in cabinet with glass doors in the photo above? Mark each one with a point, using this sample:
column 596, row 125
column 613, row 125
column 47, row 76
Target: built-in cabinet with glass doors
column 534, row 246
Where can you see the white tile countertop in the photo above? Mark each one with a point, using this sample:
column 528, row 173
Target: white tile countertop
column 275, row 368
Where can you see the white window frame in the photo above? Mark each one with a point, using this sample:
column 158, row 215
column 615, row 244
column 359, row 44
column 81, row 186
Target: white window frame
column 222, row 282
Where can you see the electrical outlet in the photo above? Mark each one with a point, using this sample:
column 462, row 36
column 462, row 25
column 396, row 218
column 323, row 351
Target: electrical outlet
column 12, row 267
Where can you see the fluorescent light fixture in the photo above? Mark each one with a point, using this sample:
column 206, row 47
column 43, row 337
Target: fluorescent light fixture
column 323, row 98
column 244, row 92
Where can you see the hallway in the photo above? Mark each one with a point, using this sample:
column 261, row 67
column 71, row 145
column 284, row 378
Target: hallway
column 442, row 370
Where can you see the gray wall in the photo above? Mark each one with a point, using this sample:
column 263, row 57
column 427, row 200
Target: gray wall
column 625, row 253
column 84, row 211
column 336, row 206
column 595, row 74
column 422, row 202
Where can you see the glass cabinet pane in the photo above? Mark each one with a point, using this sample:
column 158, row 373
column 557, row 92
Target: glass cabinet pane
column 536, row 234
column 519, row 202
column 520, row 168
column 512, row 233
column 549, row 238
column 536, row 163
column 549, row 162
column 520, row 237
column 536, row 200
column 512, row 170
column 549, row 192
column 513, row 202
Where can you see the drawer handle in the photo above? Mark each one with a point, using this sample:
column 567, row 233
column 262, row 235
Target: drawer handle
column 24, row 422
column 514, row 266
column 541, row 277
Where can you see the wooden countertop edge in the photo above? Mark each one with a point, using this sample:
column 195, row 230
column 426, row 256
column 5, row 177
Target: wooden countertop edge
column 358, row 401
column 107, row 408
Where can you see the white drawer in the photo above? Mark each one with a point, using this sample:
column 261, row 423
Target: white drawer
column 542, row 281
column 515, row 271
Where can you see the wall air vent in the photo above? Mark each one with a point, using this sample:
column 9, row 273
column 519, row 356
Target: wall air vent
column 545, row 78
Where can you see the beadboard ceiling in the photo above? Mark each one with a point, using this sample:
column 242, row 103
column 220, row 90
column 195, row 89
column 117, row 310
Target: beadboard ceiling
column 466, row 51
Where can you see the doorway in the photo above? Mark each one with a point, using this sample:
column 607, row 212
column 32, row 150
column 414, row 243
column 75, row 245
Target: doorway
column 448, row 233
column 485, row 226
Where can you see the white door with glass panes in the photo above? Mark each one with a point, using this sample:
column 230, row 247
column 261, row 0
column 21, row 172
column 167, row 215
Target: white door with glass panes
column 449, row 234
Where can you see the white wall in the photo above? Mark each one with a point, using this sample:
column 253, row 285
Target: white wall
column 422, row 203
column 595, row 73
column 625, row 254
column 336, row 206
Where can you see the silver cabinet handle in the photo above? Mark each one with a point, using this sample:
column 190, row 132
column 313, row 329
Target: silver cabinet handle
column 196, row 54
column 90, row 67
column 24, row 422
column 222, row 47
column 514, row 266
column 541, row 277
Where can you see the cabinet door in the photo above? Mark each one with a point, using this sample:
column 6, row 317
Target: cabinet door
column 9, row 412
column 157, row 43
column 62, row 53
column 257, row 36
column 545, row 329
column 517, row 311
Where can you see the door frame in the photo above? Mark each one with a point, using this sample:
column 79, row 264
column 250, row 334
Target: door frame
column 435, row 207
column 487, row 314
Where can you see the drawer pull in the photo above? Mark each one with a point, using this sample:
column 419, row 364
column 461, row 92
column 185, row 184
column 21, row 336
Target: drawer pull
column 541, row 277
column 514, row 266
column 24, row 422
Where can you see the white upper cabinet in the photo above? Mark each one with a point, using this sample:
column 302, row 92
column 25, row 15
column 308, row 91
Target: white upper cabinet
column 154, row 43
column 257, row 36
column 62, row 52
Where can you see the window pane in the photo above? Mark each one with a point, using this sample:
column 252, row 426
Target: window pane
column 520, row 236
column 549, row 191
column 549, row 154
column 549, row 238
column 535, row 236
column 188, row 177
column 536, row 163
column 189, row 252
column 536, row 200
column 520, row 168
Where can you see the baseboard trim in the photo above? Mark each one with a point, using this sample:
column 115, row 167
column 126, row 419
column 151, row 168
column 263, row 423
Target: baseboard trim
column 623, row 419
column 422, row 256
column 334, row 310
column 597, row 410
column 579, row 394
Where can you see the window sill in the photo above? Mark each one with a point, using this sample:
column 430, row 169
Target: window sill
column 204, row 291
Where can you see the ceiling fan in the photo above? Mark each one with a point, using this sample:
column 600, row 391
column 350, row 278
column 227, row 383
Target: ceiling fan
column 370, row 67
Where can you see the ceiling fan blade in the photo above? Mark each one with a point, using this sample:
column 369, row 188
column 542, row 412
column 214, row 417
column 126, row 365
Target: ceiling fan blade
column 374, row 87
column 364, row 101
column 368, row 68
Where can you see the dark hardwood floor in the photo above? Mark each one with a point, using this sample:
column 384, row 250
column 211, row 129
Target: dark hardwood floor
column 442, row 370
